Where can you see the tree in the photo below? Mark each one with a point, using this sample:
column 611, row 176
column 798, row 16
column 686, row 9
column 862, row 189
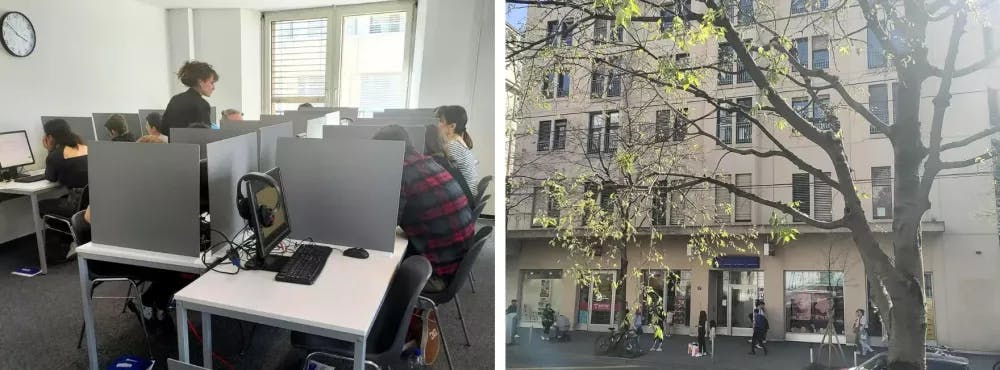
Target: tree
column 758, row 48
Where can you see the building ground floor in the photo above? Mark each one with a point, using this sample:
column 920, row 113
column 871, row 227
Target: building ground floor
column 811, row 287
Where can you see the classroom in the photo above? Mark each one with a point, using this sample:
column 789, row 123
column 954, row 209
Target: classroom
column 259, row 184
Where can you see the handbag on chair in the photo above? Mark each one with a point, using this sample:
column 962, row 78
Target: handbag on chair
column 426, row 331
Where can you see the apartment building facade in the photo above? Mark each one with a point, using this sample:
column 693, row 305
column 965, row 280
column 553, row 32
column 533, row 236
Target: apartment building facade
column 810, row 282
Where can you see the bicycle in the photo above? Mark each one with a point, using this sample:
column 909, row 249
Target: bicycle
column 996, row 366
column 939, row 350
column 624, row 342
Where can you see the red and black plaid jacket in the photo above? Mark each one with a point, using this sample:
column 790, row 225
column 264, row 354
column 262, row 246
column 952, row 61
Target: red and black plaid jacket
column 434, row 212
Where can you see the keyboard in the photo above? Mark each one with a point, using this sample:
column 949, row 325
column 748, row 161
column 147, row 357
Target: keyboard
column 305, row 264
column 33, row 178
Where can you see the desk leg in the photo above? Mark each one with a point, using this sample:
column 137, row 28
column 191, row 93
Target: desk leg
column 206, row 344
column 183, row 349
column 359, row 353
column 88, row 313
column 39, row 233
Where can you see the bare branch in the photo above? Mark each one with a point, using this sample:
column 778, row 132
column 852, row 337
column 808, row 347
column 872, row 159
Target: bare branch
column 971, row 139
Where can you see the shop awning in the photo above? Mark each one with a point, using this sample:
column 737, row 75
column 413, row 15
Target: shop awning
column 737, row 262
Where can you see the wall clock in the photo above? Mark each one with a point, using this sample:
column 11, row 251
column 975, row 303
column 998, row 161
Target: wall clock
column 17, row 34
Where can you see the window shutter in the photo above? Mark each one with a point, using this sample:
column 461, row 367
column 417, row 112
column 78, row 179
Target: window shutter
column 742, row 211
column 723, row 199
column 676, row 204
column 298, row 62
column 662, row 124
column 800, row 193
column 544, row 135
column 881, row 192
column 559, row 135
column 824, row 200
column 878, row 103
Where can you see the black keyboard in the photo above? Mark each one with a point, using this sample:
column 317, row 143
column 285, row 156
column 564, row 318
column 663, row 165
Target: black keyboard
column 33, row 178
column 305, row 264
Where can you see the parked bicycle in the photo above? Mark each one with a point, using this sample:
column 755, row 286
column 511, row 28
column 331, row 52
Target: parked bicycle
column 621, row 342
column 941, row 350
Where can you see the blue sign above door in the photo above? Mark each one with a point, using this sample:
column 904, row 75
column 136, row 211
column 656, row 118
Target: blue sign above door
column 737, row 262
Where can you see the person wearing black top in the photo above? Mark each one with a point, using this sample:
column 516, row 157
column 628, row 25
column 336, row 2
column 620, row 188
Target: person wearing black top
column 702, row 331
column 66, row 164
column 118, row 128
column 190, row 107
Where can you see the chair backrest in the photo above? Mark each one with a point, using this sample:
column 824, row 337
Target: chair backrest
column 84, row 199
column 478, row 210
column 393, row 320
column 458, row 281
column 81, row 229
column 481, row 187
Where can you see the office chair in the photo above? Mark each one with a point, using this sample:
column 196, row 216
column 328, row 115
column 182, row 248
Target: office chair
column 481, row 189
column 475, row 216
column 80, row 231
column 64, row 225
column 388, row 332
column 451, row 291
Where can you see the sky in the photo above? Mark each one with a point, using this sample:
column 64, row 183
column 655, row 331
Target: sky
column 516, row 15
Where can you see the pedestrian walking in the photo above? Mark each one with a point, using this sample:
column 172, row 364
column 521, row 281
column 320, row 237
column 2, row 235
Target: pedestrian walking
column 702, row 331
column 861, row 338
column 657, row 338
column 760, row 327
column 512, row 315
column 548, row 318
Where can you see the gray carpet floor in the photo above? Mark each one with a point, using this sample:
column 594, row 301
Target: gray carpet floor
column 40, row 321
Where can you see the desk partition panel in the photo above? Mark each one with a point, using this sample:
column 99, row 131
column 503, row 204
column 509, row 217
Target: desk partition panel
column 415, row 112
column 350, row 197
column 131, row 120
column 143, row 113
column 203, row 136
column 402, row 121
column 228, row 160
column 269, row 143
column 83, row 126
column 345, row 112
column 300, row 119
column 153, row 208
column 416, row 133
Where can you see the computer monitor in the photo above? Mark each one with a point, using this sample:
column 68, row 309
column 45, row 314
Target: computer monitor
column 264, row 194
column 15, row 150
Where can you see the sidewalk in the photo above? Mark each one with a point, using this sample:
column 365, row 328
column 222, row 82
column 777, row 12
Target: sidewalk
column 732, row 353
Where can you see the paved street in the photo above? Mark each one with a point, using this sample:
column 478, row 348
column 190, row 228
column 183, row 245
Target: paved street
column 732, row 354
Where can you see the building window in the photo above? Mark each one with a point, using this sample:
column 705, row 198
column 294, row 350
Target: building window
column 559, row 82
column 597, row 77
column 882, row 192
column 820, row 53
column 682, row 60
column 602, row 135
column 552, row 33
column 537, row 291
column 802, row 6
column 746, row 12
column 801, row 106
column 615, row 78
column 559, row 134
column 544, row 205
column 744, row 128
column 676, row 204
column 551, row 135
column 814, row 300
column 726, row 65
column 742, row 73
column 544, row 135
column 723, row 200
column 669, row 290
column 878, row 104
column 798, row 6
column 724, row 126
column 661, row 203
column 876, row 54
column 801, row 194
column 815, row 201
column 298, row 63
column 801, row 46
column 742, row 212
column 662, row 128
column 567, row 32
column 823, row 200
column 547, row 86
column 819, row 119
column 928, row 286
column 563, row 88
column 605, row 80
column 606, row 30
column 680, row 125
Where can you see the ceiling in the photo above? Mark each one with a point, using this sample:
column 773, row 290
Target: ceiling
column 263, row 5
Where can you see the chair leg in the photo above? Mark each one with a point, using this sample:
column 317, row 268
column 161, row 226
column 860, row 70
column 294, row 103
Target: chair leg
column 444, row 341
column 472, row 281
column 138, row 314
column 464, row 330
column 127, row 294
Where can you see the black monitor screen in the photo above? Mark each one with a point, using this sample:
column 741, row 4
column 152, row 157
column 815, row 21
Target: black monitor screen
column 266, row 195
column 15, row 149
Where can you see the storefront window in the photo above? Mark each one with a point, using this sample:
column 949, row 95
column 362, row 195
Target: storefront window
column 814, row 299
column 671, row 289
column 536, row 292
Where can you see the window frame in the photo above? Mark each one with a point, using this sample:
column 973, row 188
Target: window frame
column 604, row 143
column 888, row 212
column 813, row 50
column 335, row 31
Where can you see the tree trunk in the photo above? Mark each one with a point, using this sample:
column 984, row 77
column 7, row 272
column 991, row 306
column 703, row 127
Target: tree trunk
column 620, row 288
column 906, row 346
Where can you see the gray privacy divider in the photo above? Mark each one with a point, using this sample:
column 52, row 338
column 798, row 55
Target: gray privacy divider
column 143, row 113
column 83, row 126
column 402, row 121
column 299, row 119
column 416, row 112
column 147, row 207
column 416, row 133
column 131, row 119
column 228, row 160
column 342, row 192
column 203, row 136
column 269, row 143
column 274, row 118
column 345, row 112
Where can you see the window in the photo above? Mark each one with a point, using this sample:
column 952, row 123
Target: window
column 661, row 203
column 662, row 128
column 742, row 212
column 562, row 89
column 802, row 6
column 724, row 126
column 567, row 32
column 670, row 290
column 558, row 81
column 802, row 51
column 744, row 129
column 608, row 192
column 878, row 103
column 746, row 12
column 723, row 200
column 559, row 135
column 372, row 70
column 605, row 30
column 602, row 135
column 726, row 66
column 605, row 80
column 820, row 54
column 298, row 63
column 819, row 119
column 544, row 135
column 666, row 19
column 801, row 106
column 800, row 194
column 798, row 6
column 676, row 204
column 597, row 77
column 823, row 199
column 881, row 192
column 876, row 55
column 552, row 32
column 928, row 286
column 544, row 205
column 682, row 59
column 615, row 78
column 680, row 125
column 814, row 300
column 742, row 74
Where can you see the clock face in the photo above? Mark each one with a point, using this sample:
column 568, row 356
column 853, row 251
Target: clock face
column 17, row 34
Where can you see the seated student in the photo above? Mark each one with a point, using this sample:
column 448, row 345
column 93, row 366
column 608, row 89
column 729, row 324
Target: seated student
column 434, row 147
column 65, row 164
column 153, row 124
column 232, row 114
column 452, row 121
column 305, row 105
column 118, row 128
column 433, row 211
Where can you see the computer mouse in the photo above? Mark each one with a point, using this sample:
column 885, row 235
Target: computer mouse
column 356, row 253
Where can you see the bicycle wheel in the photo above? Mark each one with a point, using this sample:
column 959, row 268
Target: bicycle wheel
column 996, row 366
column 630, row 347
column 602, row 345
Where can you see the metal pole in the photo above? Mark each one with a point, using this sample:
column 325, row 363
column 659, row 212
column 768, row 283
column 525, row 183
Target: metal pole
column 855, row 358
column 811, row 358
column 530, row 329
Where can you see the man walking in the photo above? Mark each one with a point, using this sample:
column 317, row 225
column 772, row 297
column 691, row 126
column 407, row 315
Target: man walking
column 760, row 327
column 861, row 333
column 512, row 317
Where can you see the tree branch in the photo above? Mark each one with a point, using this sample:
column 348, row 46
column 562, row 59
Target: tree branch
column 971, row 139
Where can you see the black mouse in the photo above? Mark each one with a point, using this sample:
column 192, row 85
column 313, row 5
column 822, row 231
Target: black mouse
column 356, row 253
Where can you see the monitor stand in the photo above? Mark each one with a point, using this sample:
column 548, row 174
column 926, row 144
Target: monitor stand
column 274, row 263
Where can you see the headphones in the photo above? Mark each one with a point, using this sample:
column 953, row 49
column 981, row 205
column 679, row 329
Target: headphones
column 265, row 214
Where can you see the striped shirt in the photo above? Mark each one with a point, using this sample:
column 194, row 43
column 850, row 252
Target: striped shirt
column 466, row 163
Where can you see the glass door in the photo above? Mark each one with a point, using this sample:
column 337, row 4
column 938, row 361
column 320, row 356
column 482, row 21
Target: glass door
column 735, row 297
column 741, row 309
column 596, row 302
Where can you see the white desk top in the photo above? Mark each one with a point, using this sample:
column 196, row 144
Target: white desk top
column 138, row 257
column 29, row 187
column 344, row 299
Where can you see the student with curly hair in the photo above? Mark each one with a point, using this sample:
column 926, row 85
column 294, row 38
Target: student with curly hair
column 190, row 106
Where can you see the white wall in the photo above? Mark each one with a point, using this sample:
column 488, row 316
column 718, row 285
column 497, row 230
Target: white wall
column 91, row 56
column 251, row 69
column 458, row 68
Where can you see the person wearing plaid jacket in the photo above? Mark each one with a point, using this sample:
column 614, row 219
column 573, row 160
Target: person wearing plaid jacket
column 433, row 211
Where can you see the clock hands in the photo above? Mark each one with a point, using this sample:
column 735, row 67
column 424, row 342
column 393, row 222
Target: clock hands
column 15, row 33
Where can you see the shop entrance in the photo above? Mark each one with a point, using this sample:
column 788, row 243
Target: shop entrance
column 595, row 302
column 731, row 297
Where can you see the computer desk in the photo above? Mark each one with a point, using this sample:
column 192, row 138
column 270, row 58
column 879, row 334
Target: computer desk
column 128, row 256
column 341, row 304
column 32, row 190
